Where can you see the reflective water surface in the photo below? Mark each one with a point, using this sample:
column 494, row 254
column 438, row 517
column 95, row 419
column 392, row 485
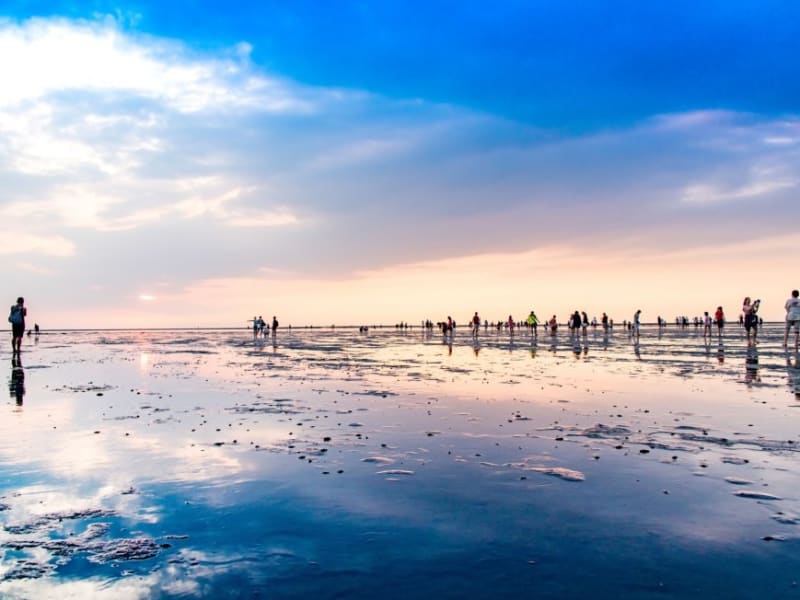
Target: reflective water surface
column 332, row 463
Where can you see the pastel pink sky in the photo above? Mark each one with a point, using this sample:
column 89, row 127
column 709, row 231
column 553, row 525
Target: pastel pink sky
column 549, row 281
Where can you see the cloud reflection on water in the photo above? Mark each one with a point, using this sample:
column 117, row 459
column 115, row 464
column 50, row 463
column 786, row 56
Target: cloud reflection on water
column 464, row 430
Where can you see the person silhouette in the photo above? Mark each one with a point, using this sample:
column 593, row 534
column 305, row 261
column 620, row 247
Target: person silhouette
column 17, row 319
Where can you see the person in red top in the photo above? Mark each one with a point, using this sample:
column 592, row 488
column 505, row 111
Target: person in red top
column 719, row 317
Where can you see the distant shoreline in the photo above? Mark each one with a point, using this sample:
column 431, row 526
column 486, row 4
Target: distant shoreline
column 465, row 326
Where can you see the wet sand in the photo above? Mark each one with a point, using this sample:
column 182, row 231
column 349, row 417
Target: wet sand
column 339, row 464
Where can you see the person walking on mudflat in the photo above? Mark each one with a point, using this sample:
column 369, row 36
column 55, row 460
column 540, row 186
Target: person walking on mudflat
column 636, row 323
column 792, row 318
column 533, row 322
column 719, row 318
column 476, row 325
column 749, row 310
column 16, row 317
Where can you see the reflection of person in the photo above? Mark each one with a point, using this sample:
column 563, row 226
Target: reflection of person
column 792, row 318
column 751, row 366
column 16, row 385
column 17, row 319
column 793, row 370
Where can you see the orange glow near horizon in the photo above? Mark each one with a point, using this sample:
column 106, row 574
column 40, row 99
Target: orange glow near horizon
column 549, row 281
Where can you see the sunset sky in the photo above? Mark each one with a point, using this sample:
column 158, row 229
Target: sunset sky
column 197, row 163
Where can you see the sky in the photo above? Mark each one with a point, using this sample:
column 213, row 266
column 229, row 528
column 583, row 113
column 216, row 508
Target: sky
column 195, row 163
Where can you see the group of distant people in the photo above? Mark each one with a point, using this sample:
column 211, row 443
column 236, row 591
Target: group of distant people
column 262, row 328
column 579, row 321
column 750, row 320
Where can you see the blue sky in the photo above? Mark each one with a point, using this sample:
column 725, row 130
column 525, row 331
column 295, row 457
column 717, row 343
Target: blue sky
column 558, row 64
column 562, row 64
column 164, row 146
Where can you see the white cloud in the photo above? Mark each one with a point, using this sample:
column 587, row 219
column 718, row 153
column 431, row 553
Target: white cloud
column 34, row 146
column 90, row 113
column 56, row 56
column 694, row 119
column 753, row 188
column 780, row 140
column 15, row 242
column 281, row 216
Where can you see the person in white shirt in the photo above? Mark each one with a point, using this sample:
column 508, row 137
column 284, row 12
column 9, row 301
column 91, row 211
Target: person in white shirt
column 636, row 322
column 792, row 318
column 706, row 324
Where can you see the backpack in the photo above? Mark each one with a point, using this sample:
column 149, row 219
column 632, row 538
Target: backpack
column 15, row 316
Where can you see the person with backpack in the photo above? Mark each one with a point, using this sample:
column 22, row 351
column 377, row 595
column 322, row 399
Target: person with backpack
column 17, row 319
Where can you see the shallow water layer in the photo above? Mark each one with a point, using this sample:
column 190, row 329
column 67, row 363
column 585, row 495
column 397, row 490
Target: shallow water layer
column 207, row 464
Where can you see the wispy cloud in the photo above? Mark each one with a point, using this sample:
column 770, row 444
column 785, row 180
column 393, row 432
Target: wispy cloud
column 702, row 194
column 15, row 242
